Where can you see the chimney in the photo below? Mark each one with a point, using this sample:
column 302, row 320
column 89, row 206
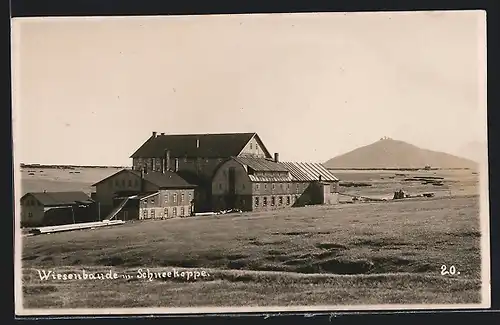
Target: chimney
column 197, row 143
column 276, row 157
column 176, row 165
column 154, row 134
column 166, row 161
column 142, row 180
column 320, row 178
column 163, row 133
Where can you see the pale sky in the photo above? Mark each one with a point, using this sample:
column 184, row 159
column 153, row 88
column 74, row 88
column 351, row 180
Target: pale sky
column 91, row 90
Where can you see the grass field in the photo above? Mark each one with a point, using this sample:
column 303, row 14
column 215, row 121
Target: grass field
column 383, row 183
column 364, row 253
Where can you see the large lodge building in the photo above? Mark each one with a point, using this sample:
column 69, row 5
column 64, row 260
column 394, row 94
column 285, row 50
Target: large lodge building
column 235, row 171
column 178, row 175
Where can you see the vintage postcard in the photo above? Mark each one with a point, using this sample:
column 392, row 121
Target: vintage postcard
column 250, row 163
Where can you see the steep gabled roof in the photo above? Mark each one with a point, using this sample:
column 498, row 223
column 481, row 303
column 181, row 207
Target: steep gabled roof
column 222, row 145
column 167, row 180
column 118, row 172
column 261, row 164
column 60, row 198
column 162, row 180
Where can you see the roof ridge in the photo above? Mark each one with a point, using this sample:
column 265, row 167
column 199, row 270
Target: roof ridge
column 193, row 134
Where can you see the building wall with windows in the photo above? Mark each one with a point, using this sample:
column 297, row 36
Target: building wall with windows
column 168, row 203
column 271, row 196
column 121, row 182
column 251, row 190
column 254, row 148
column 32, row 211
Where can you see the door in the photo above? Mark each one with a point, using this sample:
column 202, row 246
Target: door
column 125, row 215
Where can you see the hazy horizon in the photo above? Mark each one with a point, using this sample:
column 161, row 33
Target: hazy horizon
column 127, row 164
column 313, row 86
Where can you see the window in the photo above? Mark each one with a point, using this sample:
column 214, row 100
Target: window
column 256, row 146
column 280, row 200
column 166, row 198
column 152, row 200
column 174, row 196
column 136, row 183
column 256, row 187
column 220, row 186
column 190, row 197
column 123, row 183
column 273, row 186
column 182, row 211
column 256, row 201
column 152, row 213
column 273, row 201
column 129, row 183
column 182, row 197
column 287, row 200
column 264, row 201
column 30, row 215
column 243, row 186
column 144, row 214
column 288, row 186
column 265, row 186
column 251, row 146
column 117, row 183
column 165, row 212
column 298, row 188
column 281, row 185
column 174, row 212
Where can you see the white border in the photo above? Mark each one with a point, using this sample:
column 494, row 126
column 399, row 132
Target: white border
column 18, row 299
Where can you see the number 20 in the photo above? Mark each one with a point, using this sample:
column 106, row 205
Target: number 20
column 452, row 270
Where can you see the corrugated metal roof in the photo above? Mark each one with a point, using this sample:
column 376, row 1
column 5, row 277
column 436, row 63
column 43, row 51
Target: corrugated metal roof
column 261, row 164
column 271, row 178
column 309, row 171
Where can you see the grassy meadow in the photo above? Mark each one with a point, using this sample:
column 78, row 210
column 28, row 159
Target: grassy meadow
column 363, row 253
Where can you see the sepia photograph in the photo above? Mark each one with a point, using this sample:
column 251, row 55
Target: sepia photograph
column 250, row 163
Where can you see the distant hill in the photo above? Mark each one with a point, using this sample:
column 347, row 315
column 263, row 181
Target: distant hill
column 389, row 153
